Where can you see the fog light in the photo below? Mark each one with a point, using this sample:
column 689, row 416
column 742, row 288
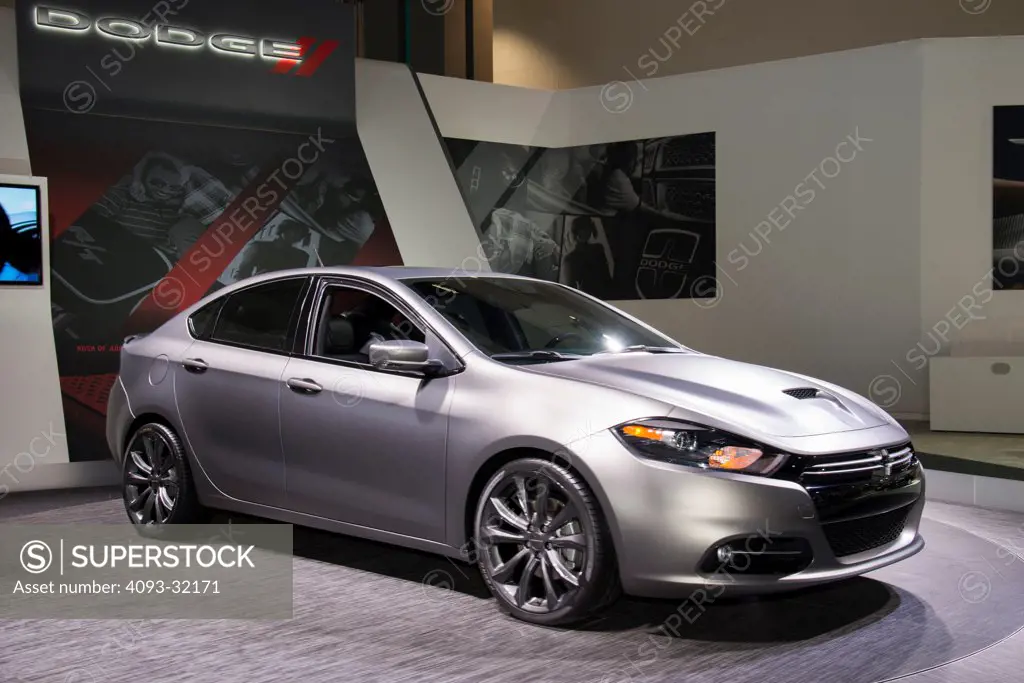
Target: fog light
column 757, row 556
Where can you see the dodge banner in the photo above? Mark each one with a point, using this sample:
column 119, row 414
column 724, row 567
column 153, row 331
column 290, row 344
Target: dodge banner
column 187, row 145
column 267, row 64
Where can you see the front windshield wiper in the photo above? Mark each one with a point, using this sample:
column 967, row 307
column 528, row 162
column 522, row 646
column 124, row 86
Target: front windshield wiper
column 539, row 354
column 644, row 348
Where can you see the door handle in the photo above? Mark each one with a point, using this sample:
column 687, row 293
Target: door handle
column 304, row 386
column 195, row 365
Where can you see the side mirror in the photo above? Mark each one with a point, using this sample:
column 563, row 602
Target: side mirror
column 403, row 355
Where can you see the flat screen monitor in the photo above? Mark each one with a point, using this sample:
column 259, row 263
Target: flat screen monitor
column 21, row 238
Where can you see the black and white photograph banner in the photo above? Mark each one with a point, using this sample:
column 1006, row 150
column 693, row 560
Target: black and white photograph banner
column 1008, row 198
column 619, row 220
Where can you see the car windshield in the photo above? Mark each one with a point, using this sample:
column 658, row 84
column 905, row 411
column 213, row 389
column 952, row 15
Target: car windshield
column 529, row 321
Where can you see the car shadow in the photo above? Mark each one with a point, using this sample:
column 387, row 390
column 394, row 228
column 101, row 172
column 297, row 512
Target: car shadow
column 777, row 618
column 429, row 569
column 788, row 617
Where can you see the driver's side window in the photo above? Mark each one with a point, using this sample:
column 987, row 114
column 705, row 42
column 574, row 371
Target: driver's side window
column 351, row 319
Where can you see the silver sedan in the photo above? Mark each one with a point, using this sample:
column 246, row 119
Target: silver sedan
column 568, row 449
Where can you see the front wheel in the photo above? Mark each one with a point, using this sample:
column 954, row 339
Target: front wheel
column 543, row 547
column 157, row 482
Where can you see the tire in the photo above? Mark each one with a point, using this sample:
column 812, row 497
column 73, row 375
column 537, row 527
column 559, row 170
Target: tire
column 146, row 503
column 550, row 561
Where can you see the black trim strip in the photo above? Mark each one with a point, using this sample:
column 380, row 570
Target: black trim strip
column 404, row 30
column 522, row 178
column 470, row 42
column 440, row 141
column 955, row 465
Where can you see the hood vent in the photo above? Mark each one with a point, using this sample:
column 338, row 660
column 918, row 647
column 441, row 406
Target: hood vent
column 802, row 393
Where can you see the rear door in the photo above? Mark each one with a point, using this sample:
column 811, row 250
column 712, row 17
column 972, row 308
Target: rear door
column 227, row 390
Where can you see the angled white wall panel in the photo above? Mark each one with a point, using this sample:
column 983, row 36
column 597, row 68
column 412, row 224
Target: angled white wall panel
column 13, row 145
column 474, row 110
column 423, row 202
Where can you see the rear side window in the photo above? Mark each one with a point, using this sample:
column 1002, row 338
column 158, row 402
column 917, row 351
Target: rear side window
column 261, row 317
column 200, row 323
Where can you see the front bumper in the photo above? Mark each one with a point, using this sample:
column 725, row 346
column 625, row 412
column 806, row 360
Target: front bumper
column 664, row 519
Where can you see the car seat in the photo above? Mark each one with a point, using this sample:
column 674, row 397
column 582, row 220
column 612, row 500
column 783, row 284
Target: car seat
column 341, row 343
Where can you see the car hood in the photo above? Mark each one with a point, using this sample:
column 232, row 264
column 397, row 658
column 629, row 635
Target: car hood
column 727, row 394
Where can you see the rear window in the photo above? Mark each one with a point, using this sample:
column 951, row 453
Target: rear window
column 260, row 317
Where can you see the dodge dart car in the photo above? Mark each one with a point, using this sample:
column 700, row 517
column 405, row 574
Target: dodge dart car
column 567, row 448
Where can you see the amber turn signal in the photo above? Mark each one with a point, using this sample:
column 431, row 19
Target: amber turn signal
column 734, row 457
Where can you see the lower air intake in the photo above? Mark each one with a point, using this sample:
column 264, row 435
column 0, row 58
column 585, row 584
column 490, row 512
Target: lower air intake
column 854, row 536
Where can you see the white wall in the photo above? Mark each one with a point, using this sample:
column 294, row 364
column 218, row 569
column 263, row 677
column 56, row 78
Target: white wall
column 13, row 145
column 836, row 291
column 963, row 81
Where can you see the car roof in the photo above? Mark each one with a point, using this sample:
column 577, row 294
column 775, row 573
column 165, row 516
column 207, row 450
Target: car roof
column 417, row 272
column 379, row 273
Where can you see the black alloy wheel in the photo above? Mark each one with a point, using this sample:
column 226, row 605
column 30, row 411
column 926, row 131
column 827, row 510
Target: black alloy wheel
column 542, row 545
column 157, row 482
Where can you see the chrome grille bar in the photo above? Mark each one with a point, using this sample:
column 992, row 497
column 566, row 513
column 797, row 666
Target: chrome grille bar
column 846, row 463
column 847, row 471
column 857, row 462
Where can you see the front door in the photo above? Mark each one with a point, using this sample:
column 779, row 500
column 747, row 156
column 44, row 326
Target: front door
column 363, row 446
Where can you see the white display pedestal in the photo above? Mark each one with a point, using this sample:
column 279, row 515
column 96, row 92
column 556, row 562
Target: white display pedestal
column 977, row 394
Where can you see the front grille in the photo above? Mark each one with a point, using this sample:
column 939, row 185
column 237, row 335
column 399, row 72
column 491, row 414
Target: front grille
column 864, row 467
column 859, row 535
column 801, row 393
column 856, row 484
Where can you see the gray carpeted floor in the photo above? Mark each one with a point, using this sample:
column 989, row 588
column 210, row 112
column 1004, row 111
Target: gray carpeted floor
column 370, row 612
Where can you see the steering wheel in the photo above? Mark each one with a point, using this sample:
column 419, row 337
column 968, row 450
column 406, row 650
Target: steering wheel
column 565, row 336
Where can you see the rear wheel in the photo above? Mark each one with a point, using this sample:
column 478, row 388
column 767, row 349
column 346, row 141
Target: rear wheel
column 542, row 545
column 157, row 482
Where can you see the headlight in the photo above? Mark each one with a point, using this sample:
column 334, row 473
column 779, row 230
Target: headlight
column 685, row 444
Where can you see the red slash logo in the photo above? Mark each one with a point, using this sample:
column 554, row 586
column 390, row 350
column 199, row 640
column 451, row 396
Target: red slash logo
column 309, row 59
